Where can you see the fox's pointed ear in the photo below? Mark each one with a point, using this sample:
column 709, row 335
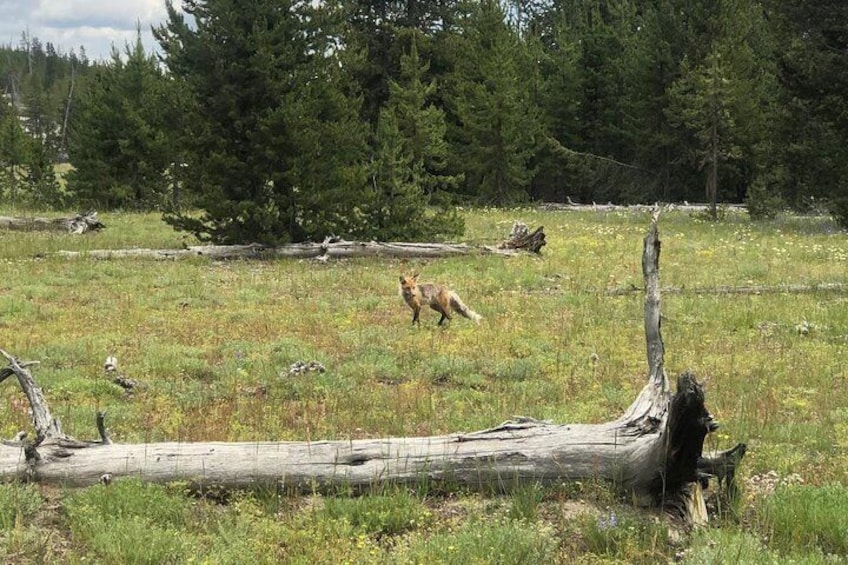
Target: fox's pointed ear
column 415, row 276
column 402, row 279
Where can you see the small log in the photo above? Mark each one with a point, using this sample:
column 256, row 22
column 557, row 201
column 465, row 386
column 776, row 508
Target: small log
column 111, row 368
column 81, row 223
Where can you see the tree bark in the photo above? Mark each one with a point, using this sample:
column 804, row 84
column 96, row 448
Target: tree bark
column 654, row 450
column 79, row 224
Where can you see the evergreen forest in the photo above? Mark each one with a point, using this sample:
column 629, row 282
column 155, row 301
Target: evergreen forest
column 279, row 121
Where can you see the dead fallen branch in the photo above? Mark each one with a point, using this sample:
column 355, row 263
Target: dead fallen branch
column 570, row 206
column 79, row 224
column 744, row 289
column 334, row 250
column 321, row 251
column 654, row 451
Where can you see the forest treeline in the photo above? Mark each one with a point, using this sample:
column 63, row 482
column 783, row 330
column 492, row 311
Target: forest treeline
column 277, row 121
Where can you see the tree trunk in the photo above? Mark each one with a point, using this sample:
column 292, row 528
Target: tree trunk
column 654, row 450
column 79, row 224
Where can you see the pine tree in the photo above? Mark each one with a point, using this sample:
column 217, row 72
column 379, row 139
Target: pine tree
column 590, row 94
column 381, row 30
column 43, row 190
column 498, row 124
column 813, row 137
column 274, row 143
column 14, row 151
column 411, row 157
column 724, row 98
column 119, row 143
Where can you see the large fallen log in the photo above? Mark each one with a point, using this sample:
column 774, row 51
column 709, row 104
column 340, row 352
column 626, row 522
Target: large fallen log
column 744, row 289
column 322, row 251
column 79, row 224
column 570, row 206
column 654, row 450
column 326, row 250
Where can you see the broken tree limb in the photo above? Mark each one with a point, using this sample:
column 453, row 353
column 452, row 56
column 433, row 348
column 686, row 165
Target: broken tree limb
column 653, row 451
column 723, row 464
column 46, row 426
column 79, row 224
column 570, row 206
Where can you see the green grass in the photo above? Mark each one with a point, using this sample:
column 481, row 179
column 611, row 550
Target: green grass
column 808, row 516
column 212, row 342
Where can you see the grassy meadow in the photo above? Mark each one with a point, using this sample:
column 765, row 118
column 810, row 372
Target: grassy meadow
column 211, row 344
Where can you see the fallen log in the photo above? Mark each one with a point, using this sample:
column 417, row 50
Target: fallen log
column 570, row 206
column 653, row 451
column 743, row 289
column 327, row 250
column 79, row 224
column 320, row 251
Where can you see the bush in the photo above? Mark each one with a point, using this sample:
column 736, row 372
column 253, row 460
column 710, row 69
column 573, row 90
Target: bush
column 839, row 211
column 763, row 201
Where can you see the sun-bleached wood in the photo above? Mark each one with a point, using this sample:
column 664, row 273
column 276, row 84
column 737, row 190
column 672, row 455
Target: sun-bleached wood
column 79, row 224
column 321, row 251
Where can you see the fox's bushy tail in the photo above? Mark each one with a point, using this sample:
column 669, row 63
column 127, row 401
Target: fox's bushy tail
column 459, row 306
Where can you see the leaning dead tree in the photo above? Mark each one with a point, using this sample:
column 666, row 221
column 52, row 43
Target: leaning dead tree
column 654, row 450
column 79, row 224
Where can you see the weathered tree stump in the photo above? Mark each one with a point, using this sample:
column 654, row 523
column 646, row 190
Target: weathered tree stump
column 653, row 451
column 522, row 238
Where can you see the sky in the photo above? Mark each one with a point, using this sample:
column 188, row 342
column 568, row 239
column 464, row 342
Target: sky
column 93, row 24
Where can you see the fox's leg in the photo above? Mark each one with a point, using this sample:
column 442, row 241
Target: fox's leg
column 445, row 316
column 415, row 312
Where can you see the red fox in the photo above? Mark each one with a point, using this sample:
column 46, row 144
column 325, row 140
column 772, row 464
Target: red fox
column 439, row 298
